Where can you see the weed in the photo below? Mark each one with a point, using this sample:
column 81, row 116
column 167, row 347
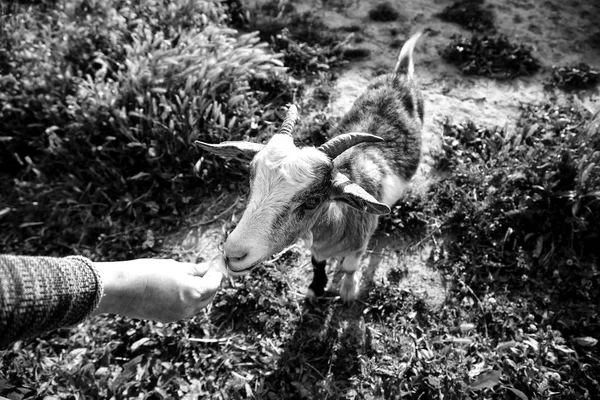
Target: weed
column 493, row 57
column 303, row 58
column 469, row 14
column 384, row 12
column 574, row 77
column 236, row 12
column 356, row 53
column 307, row 44
column 408, row 218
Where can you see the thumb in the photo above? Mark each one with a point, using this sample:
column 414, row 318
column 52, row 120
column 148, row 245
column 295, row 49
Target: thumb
column 217, row 264
column 212, row 278
column 210, row 282
column 200, row 269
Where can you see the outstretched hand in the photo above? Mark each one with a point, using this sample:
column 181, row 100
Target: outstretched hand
column 157, row 289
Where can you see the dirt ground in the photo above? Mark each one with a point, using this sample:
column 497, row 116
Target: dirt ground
column 562, row 32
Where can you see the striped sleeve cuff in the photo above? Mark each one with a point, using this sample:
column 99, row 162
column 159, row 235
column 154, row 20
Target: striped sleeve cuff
column 39, row 294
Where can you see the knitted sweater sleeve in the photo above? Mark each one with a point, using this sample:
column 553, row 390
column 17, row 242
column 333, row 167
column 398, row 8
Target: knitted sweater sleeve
column 38, row 294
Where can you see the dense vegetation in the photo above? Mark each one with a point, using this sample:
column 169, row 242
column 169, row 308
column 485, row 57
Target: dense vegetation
column 99, row 104
column 486, row 53
column 575, row 77
column 491, row 56
column 470, row 14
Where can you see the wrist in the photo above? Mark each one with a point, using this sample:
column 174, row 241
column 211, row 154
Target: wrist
column 121, row 289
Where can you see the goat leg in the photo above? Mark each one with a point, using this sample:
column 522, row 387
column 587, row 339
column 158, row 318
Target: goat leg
column 350, row 281
column 319, row 277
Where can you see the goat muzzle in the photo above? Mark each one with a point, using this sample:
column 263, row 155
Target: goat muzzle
column 338, row 144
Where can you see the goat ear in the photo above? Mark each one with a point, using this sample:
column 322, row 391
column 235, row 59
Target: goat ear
column 346, row 191
column 239, row 150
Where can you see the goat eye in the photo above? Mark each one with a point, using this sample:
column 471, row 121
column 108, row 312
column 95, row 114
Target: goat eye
column 312, row 203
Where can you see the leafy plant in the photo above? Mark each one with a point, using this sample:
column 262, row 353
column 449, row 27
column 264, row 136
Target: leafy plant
column 493, row 57
column 546, row 209
column 408, row 218
column 469, row 14
column 307, row 44
column 575, row 77
column 516, row 213
column 101, row 112
column 383, row 12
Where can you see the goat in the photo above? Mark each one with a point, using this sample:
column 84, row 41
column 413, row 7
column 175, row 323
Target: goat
column 333, row 193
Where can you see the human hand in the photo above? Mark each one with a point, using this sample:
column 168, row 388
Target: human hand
column 157, row 289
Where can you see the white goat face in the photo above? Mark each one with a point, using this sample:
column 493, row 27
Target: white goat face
column 288, row 186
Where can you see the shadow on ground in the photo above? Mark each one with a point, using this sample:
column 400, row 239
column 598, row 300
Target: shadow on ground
column 320, row 348
column 335, row 346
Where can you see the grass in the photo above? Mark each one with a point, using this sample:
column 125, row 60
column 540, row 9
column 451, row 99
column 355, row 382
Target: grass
column 509, row 228
column 98, row 123
column 491, row 56
column 520, row 318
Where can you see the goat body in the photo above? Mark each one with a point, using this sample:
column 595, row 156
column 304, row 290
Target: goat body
column 392, row 108
column 336, row 191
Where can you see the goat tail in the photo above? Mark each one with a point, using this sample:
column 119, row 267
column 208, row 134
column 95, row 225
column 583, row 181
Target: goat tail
column 405, row 63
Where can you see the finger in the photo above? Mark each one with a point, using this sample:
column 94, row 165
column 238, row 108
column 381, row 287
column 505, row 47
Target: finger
column 200, row 269
column 212, row 279
column 208, row 284
column 204, row 303
column 211, row 282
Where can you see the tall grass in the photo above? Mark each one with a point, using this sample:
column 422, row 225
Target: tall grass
column 100, row 104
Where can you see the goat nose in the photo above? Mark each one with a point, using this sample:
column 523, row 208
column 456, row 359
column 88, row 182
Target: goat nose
column 236, row 256
column 237, row 252
column 234, row 252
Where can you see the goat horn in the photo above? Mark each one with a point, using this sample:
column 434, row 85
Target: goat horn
column 338, row 144
column 290, row 120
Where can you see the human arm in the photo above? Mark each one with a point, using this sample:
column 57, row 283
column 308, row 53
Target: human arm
column 39, row 294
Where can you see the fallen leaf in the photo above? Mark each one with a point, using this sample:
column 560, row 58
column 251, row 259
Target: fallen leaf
column 486, row 380
column 139, row 343
column 564, row 349
column 128, row 372
column 517, row 392
column 586, row 341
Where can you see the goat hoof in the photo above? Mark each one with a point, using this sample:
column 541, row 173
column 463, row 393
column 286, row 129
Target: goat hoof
column 316, row 291
column 349, row 289
column 348, row 296
column 311, row 298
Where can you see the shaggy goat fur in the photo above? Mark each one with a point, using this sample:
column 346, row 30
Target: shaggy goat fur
column 392, row 108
